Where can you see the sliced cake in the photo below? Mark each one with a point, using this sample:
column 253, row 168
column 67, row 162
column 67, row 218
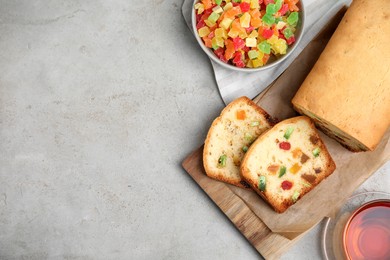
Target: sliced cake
column 287, row 162
column 230, row 136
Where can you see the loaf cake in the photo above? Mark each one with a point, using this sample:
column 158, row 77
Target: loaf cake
column 347, row 93
column 229, row 137
column 286, row 162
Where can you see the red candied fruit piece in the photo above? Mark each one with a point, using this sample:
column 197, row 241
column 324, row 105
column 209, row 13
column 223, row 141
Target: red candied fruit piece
column 249, row 29
column 220, row 52
column 260, row 2
column 246, row 48
column 200, row 24
column 237, row 60
column 198, row 16
column 235, row 4
column 283, row 10
column 286, row 185
column 290, row 40
column 240, row 64
column 237, row 57
column 267, row 33
column 266, row 2
column 285, row 146
column 244, row 6
column 206, row 14
column 281, row 35
column 238, row 43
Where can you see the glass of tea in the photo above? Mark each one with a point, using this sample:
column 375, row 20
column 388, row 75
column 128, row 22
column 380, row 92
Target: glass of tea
column 367, row 232
column 360, row 229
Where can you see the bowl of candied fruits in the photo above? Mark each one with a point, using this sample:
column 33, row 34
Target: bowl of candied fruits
column 248, row 35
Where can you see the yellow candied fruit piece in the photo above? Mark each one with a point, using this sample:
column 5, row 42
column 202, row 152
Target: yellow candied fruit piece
column 273, row 39
column 204, row 31
column 261, row 56
column 250, row 42
column 225, row 23
column 249, row 64
column 247, row 1
column 199, row 7
column 253, row 34
column 218, row 9
column 228, row 6
column 254, row 4
column 243, row 34
column 233, row 33
column 295, row 168
column 245, row 20
column 280, row 25
column 221, row 33
column 257, row 62
column 280, row 46
column 208, row 23
column 218, row 41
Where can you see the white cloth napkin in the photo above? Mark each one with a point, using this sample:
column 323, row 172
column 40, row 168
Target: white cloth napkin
column 232, row 84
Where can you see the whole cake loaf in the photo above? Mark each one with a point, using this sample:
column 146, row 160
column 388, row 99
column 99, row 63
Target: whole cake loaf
column 347, row 93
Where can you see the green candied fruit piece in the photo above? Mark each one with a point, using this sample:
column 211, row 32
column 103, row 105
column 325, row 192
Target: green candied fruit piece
column 218, row 2
column 271, row 9
column 316, row 152
column 213, row 17
column 288, row 33
column 254, row 123
column 282, row 171
column 288, row 132
column 264, row 47
column 292, row 19
column 245, row 148
column 268, row 19
column 253, row 54
column 278, row 4
column 248, row 137
column 295, row 196
column 222, row 161
column 262, row 183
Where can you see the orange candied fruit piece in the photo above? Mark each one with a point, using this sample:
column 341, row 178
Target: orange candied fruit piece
column 265, row 58
column 273, row 168
column 292, row 5
column 236, row 26
column 295, row 168
column 256, row 22
column 207, row 4
column 208, row 42
column 296, row 153
column 231, row 13
column 240, row 114
column 229, row 52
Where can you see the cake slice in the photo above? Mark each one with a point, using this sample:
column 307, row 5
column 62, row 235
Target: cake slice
column 287, row 162
column 230, row 136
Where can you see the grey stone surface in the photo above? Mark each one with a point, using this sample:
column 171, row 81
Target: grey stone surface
column 100, row 101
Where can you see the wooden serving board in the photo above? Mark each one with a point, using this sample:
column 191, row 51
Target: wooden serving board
column 270, row 245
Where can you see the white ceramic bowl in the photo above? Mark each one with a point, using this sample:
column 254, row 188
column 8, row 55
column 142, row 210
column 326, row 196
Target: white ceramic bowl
column 273, row 61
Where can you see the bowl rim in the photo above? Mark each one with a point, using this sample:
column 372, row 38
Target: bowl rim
column 212, row 56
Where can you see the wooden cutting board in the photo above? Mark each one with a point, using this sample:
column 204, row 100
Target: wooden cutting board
column 270, row 245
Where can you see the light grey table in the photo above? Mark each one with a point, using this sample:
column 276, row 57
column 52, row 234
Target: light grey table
column 100, row 101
